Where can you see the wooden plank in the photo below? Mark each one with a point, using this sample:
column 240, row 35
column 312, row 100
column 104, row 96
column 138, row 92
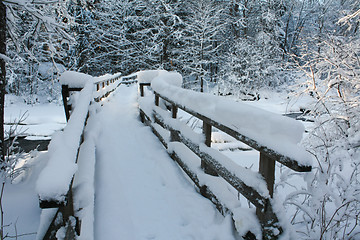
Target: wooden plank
column 75, row 89
column 50, row 204
column 287, row 161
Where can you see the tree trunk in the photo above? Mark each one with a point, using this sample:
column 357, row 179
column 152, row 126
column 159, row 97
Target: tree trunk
column 2, row 76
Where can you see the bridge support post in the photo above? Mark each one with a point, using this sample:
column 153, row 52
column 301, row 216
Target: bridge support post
column 269, row 222
column 207, row 133
column 65, row 94
column 174, row 135
column 174, row 111
column 157, row 99
column 141, row 86
column 267, row 170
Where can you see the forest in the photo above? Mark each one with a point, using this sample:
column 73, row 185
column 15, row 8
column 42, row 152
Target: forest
column 234, row 48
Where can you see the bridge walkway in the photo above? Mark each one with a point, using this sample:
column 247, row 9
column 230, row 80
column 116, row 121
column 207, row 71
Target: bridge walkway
column 140, row 192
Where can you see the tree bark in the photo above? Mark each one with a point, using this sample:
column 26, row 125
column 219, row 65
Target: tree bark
column 2, row 76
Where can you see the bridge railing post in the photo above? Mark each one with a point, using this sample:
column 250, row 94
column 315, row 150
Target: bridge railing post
column 206, row 129
column 141, row 86
column 65, row 94
column 157, row 100
column 267, row 170
column 174, row 135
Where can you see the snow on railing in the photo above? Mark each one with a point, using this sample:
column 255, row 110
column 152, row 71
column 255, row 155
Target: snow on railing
column 54, row 185
column 274, row 136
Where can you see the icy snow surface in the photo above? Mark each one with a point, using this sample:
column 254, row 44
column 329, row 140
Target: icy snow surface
column 140, row 192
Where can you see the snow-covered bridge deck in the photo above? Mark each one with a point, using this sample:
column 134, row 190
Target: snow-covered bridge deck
column 140, row 191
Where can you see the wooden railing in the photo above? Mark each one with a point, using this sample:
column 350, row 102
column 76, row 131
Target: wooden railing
column 65, row 215
column 175, row 138
column 66, row 91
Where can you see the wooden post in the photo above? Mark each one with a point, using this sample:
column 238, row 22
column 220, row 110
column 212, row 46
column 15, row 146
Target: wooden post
column 97, row 87
column 267, row 170
column 174, row 135
column 107, row 82
column 266, row 216
column 207, row 134
column 103, row 84
column 141, row 89
column 65, row 95
column 157, row 99
column 174, row 111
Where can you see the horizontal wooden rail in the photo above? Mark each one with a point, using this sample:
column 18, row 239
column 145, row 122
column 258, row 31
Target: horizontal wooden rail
column 287, row 161
column 271, row 227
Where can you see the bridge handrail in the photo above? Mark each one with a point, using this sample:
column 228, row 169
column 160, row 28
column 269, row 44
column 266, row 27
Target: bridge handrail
column 213, row 162
column 64, row 149
column 55, row 182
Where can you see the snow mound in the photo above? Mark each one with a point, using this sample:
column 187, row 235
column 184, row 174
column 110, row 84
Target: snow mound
column 75, row 79
column 172, row 78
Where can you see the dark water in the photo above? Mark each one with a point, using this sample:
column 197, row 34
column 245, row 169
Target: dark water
column 28, row 145
column 298, row 116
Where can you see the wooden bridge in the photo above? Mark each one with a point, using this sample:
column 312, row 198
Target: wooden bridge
column 77, row 163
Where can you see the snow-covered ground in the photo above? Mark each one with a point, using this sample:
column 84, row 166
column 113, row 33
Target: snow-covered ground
column 20, row 201
column 40, row 121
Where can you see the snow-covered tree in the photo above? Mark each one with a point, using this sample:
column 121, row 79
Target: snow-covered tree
column 254, row 56
column 329, row 207
column 25, row 27
column 201, row 43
